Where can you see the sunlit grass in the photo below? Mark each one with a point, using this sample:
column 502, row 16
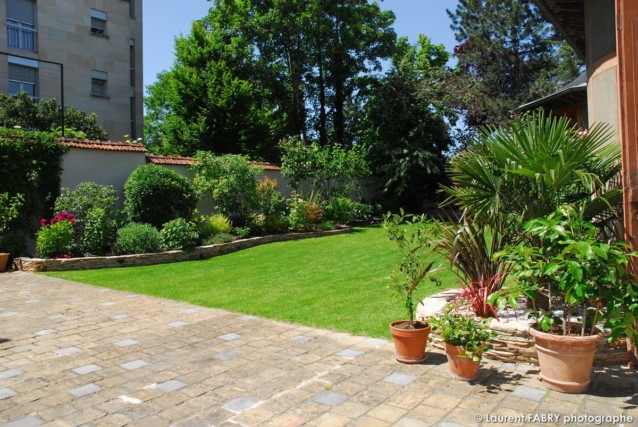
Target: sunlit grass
column 336, row 282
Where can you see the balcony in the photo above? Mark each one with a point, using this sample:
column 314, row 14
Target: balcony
column 21, row 35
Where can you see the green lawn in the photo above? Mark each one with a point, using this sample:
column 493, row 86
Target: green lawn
column 337, row 282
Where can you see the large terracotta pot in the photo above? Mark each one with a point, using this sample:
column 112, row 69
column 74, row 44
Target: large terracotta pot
column 565, row 361
column 409, row 343
column 462, row 368
column 4, row 258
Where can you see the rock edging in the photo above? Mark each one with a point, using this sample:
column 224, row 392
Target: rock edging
column 201, row 252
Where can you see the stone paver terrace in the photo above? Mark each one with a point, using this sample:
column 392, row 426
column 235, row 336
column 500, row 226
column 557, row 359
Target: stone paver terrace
column 73, row 354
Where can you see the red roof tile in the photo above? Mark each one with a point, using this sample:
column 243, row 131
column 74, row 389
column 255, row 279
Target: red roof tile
column 188, row 161
column 103, row 145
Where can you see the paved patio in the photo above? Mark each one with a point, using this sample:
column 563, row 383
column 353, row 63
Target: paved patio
column 73, row 354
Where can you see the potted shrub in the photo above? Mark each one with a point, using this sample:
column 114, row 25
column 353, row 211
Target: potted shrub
column 466, row 339
column 9, row 210
column 416, row 238
column 584, row 280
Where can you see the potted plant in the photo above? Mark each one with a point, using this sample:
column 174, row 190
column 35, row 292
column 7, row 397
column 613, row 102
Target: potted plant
column 584, row 280
column 466, row 339
column 416, row 238
column 9, row 210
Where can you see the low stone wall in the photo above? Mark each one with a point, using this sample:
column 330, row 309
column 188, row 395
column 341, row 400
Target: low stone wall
column 201, row 252
column 514, row 343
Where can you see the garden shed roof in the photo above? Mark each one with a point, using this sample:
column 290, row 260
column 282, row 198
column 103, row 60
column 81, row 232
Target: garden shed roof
column 187, row 161
column 103, row 145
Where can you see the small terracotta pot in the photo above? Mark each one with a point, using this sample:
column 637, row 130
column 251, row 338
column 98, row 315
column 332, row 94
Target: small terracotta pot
column 462, row 368
column 409, row 343
column 565, row 361
column 4, row 258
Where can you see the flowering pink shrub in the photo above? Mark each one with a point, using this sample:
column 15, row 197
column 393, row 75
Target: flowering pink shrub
column 55, row 236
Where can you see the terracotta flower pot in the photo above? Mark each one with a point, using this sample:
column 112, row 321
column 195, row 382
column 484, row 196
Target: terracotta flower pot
column 4, row 258
column 565, row 361
column 409, row 343
column 462, row 368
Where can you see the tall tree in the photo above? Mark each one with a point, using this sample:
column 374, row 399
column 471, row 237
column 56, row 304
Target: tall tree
column 404, row 125
column 507, row 55
column 254, row 71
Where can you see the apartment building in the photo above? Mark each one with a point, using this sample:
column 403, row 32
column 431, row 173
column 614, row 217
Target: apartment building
column 87, row 53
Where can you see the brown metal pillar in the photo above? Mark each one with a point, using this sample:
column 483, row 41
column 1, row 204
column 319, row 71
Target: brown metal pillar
column 627, row 47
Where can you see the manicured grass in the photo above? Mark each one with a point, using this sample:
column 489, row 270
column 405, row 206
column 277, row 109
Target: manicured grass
column 336, row 282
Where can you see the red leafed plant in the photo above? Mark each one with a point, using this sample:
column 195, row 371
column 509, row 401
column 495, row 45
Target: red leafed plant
column 476, row 293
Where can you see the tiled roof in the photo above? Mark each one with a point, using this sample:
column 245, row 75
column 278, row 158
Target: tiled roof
column 103, row 145
column 169, row 160
column 188, row 161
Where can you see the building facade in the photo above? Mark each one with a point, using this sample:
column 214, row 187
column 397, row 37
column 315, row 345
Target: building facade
column 85, row 53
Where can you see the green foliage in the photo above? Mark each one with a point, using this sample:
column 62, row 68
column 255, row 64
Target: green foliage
column 508, row 176
column 213, row 224
column 30, row 164
column 304, row 215
column 328, row 170
column 100, row 231
column 46, row 115
column 137, row 238
column 340, row 210
column 178, row 234
column 416, row 237
column 573, row 269
column 93, row 200
column 218, row 238
column 404, row 128
column 326, row 226
column 506, row 56
column 470, row 334
column 156, row 195
column 54, row 239
column 242, row 232
column 257, row 223
column 269, row 200
column 9, row 209
column 231, row 181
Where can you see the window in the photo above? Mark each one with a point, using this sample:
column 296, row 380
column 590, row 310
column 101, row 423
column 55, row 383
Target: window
column 21, row 32
column 133, row 119
column 23, row 76
column 98, row 83
column 98, row 22
column 132, row 60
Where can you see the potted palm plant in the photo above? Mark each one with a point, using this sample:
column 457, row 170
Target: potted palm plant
column 466, row 339
column 9, row 210
column 584, row 281
column 416, row 238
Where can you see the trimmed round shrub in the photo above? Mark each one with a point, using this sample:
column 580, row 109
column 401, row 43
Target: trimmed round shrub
column 156, row 195
column 137, row 238
column 178, row 234
column 214, row 224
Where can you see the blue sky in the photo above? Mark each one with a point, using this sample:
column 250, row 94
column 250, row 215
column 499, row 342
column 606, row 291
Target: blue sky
column 166, row 19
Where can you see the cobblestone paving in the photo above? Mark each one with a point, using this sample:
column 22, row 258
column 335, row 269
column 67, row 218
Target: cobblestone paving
column 74, row 354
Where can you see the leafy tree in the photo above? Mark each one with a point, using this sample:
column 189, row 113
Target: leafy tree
column 507, row 55
column 328, row 170
column 46, row 115
column 252, row 72
column 404, row 126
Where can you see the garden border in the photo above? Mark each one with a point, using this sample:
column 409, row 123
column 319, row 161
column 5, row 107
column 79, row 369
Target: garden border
column 201, row 252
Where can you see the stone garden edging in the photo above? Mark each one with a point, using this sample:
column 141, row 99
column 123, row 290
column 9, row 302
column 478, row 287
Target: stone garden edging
column 200, row 252
column 514, row 343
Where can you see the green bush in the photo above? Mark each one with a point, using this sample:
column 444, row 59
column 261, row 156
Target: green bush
column 257, row 223
column 339, row 209
column 100, row 231
column 137, row 238
column 231, row 181
column 178, row 234
column 269, row 199
column 55, row 237
column 242, row 232
column 156, row 195
column 213, row 224
column 274, row 223
column 305, row 215
column 82, row 200
column 219, row 238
